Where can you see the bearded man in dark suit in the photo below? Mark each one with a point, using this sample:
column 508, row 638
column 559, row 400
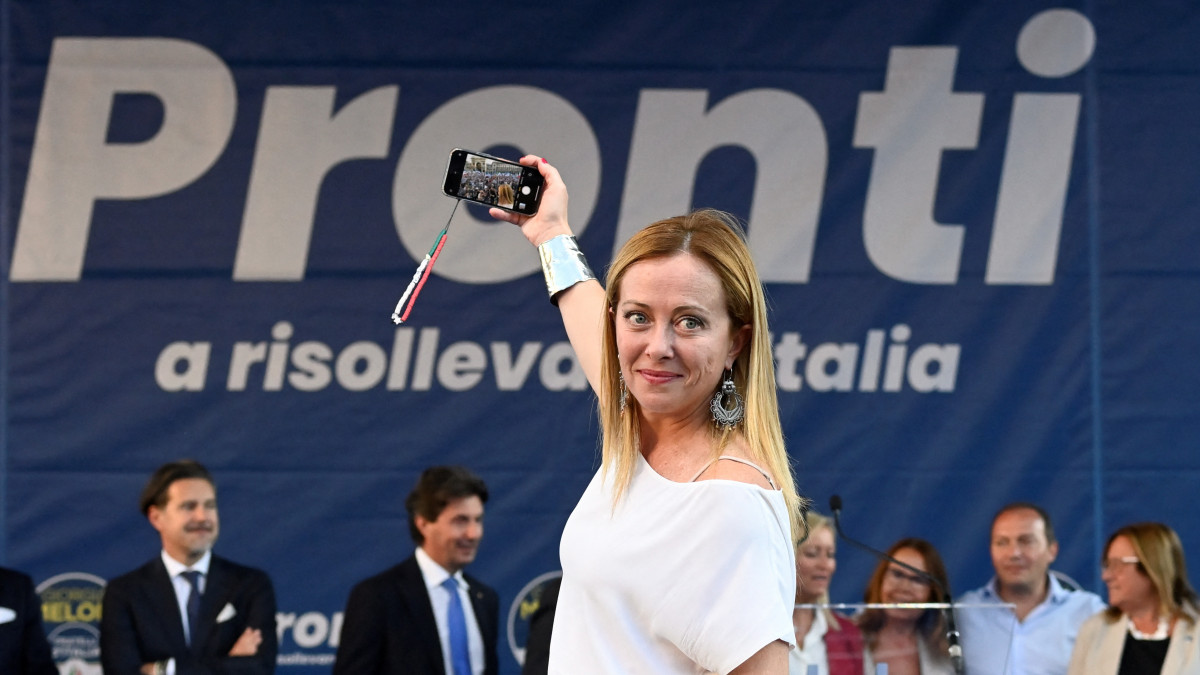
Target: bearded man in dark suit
column 187, row 611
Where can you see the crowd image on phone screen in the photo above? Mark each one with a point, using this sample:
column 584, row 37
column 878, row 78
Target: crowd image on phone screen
column 489, row 181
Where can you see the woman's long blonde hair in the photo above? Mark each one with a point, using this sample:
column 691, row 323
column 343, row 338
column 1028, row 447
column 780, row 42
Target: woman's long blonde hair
column 504, row 195
column 717, row 239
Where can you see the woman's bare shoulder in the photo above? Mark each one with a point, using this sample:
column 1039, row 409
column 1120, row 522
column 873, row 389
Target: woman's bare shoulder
column 735, row 464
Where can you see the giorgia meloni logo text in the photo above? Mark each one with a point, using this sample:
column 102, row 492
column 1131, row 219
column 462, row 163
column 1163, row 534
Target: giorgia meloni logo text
column 71, row 605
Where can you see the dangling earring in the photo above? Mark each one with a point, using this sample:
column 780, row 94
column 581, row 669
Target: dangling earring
column 723, row 415
column 624, row 391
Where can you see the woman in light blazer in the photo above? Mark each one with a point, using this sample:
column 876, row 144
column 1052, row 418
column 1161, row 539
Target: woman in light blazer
column 1152, row 624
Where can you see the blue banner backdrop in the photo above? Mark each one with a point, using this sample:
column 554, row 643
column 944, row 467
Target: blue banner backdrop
column 976, row 221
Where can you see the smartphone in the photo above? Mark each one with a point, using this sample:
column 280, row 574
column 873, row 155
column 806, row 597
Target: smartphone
column 492, row 181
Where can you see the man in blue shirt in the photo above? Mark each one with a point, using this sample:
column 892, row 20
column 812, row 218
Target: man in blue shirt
column 1035, row 637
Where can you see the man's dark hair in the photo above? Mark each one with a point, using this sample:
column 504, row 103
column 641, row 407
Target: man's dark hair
column 155, row 492
column 1019, row 506
column 437, row 487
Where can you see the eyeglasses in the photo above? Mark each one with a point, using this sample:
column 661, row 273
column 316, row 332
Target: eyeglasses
column 1111, row 563
column 900, row 576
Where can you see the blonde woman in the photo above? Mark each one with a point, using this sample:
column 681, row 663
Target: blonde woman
column 824, row 638
column 679, row 556
column 1151, row 625
column 505, row 196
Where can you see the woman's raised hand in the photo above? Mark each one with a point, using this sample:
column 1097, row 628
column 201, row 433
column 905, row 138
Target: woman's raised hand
column 551, row 218
column 582, row 305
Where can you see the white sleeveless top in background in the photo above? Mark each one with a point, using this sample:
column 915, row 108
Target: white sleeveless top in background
column 678, row 578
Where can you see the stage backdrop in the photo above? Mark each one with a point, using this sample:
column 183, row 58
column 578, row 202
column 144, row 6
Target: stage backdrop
column 977, row 223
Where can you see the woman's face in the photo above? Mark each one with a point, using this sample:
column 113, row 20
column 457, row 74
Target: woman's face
column 816, row 561
column 902, row 585
column 674, row 335
column 1128, row 586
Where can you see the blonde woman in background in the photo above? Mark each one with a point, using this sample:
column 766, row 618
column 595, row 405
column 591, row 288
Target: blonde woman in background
column 825, row 639
column 1151, row 625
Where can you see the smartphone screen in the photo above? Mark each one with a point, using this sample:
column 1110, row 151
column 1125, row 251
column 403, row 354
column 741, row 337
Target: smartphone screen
column 492, row 181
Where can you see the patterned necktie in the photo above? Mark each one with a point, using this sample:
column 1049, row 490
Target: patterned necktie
column 193, row 603
column 460, row 654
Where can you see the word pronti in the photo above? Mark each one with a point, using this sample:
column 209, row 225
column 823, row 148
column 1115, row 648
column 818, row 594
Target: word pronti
column 309, row 629
column 418, row 361
column 908, row 125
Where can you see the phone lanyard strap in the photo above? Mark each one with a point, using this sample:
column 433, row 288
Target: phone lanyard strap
column 422, row 274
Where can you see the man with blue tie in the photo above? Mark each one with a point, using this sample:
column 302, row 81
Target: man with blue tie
column 187, row 611
column 425, row 616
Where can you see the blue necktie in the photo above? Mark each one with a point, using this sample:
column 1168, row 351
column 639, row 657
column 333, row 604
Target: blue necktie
column 460, row 654
column 193, row 603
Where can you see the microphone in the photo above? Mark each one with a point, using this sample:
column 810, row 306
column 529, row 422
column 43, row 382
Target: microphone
column 954, row 647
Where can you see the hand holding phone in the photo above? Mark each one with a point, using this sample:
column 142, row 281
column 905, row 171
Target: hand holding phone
column 551, row 218
column 492, row 181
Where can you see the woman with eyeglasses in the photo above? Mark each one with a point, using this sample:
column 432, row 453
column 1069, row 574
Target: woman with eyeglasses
column 911, row 641
column 825, row 639
column 1151, row 625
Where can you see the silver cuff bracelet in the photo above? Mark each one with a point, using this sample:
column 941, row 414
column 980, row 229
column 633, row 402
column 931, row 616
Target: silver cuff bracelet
column 563, row 264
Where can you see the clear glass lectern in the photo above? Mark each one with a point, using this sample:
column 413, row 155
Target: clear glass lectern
column 989, row 629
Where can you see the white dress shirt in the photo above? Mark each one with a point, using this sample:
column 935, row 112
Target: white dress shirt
column 183, row 589
column 434, row 575
column 812, row 652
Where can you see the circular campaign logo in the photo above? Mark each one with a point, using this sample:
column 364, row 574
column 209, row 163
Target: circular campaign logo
column 71, row 613
column 526, row 603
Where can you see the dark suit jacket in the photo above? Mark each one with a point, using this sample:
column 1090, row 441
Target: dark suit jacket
column 140, row 621
column 23, row 646
column 389, row 626
column 537, row 645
